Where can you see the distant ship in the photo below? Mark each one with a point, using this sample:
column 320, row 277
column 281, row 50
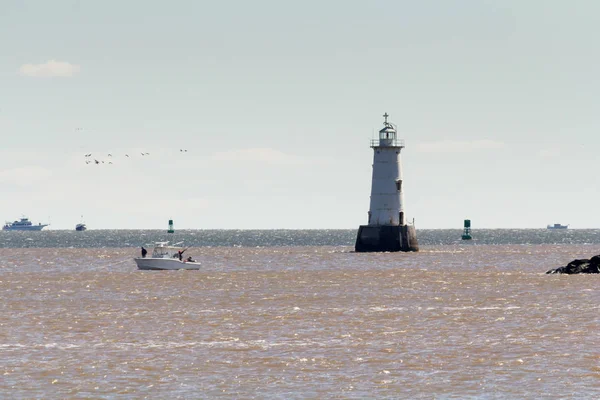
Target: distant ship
column 80, row 227
column 23, row 225
column 557, row 226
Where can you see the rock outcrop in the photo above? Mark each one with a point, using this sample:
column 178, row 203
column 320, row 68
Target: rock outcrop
column 591, row 266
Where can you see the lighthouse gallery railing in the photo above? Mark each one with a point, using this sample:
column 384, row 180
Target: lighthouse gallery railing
column 387, row 143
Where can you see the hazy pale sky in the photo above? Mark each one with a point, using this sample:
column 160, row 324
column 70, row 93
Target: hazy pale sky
column 275, row 103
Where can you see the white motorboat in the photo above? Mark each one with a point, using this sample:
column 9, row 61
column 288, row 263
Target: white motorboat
column 166, row 257
column 23, row 225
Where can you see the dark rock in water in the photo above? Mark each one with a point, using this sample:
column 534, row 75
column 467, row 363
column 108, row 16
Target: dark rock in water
column 591, row 266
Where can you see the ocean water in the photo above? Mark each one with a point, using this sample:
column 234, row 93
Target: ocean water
column 297, row 314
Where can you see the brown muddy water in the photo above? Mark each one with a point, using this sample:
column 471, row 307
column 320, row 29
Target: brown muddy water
column 452, row 321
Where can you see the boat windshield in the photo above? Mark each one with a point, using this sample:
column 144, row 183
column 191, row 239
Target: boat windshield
column 163, row 250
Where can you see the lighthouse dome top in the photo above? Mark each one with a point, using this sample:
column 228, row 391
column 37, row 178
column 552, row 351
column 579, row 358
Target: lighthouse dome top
column 387, row 135
column 388, row 127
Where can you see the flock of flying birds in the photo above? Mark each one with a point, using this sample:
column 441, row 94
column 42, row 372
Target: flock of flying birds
column 94, row 161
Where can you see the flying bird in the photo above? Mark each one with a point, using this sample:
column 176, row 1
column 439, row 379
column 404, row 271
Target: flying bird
column 97, row 162
column 126, row 155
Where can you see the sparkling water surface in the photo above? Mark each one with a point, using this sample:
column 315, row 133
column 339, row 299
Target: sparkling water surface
column 297, row 314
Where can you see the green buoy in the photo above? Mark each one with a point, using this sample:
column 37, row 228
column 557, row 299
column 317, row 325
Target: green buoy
column 171, row 230
column 467, row 231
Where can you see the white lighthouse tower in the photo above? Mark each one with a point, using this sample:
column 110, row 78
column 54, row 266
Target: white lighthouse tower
column 387, row 229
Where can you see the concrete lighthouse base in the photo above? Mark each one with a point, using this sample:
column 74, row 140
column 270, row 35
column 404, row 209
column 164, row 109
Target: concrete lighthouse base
column 386, row 238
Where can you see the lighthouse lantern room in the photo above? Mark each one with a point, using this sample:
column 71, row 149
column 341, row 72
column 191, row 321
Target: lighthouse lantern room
column 387, row 228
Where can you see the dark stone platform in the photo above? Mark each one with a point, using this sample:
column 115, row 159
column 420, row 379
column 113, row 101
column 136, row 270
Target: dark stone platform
column 386, row 238
column 584, row 266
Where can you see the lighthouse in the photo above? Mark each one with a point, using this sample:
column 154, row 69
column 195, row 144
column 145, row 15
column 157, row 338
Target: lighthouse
column 387, row 228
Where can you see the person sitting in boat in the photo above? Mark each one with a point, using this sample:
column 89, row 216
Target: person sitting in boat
column 190, row 259
column 144, row 252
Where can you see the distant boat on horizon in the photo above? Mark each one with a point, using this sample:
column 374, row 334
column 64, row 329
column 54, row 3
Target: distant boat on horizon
column 80, row 227
column 558, row 226
column 23, row 225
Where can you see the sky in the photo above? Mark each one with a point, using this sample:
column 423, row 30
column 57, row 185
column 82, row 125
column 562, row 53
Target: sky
column 276, row 101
